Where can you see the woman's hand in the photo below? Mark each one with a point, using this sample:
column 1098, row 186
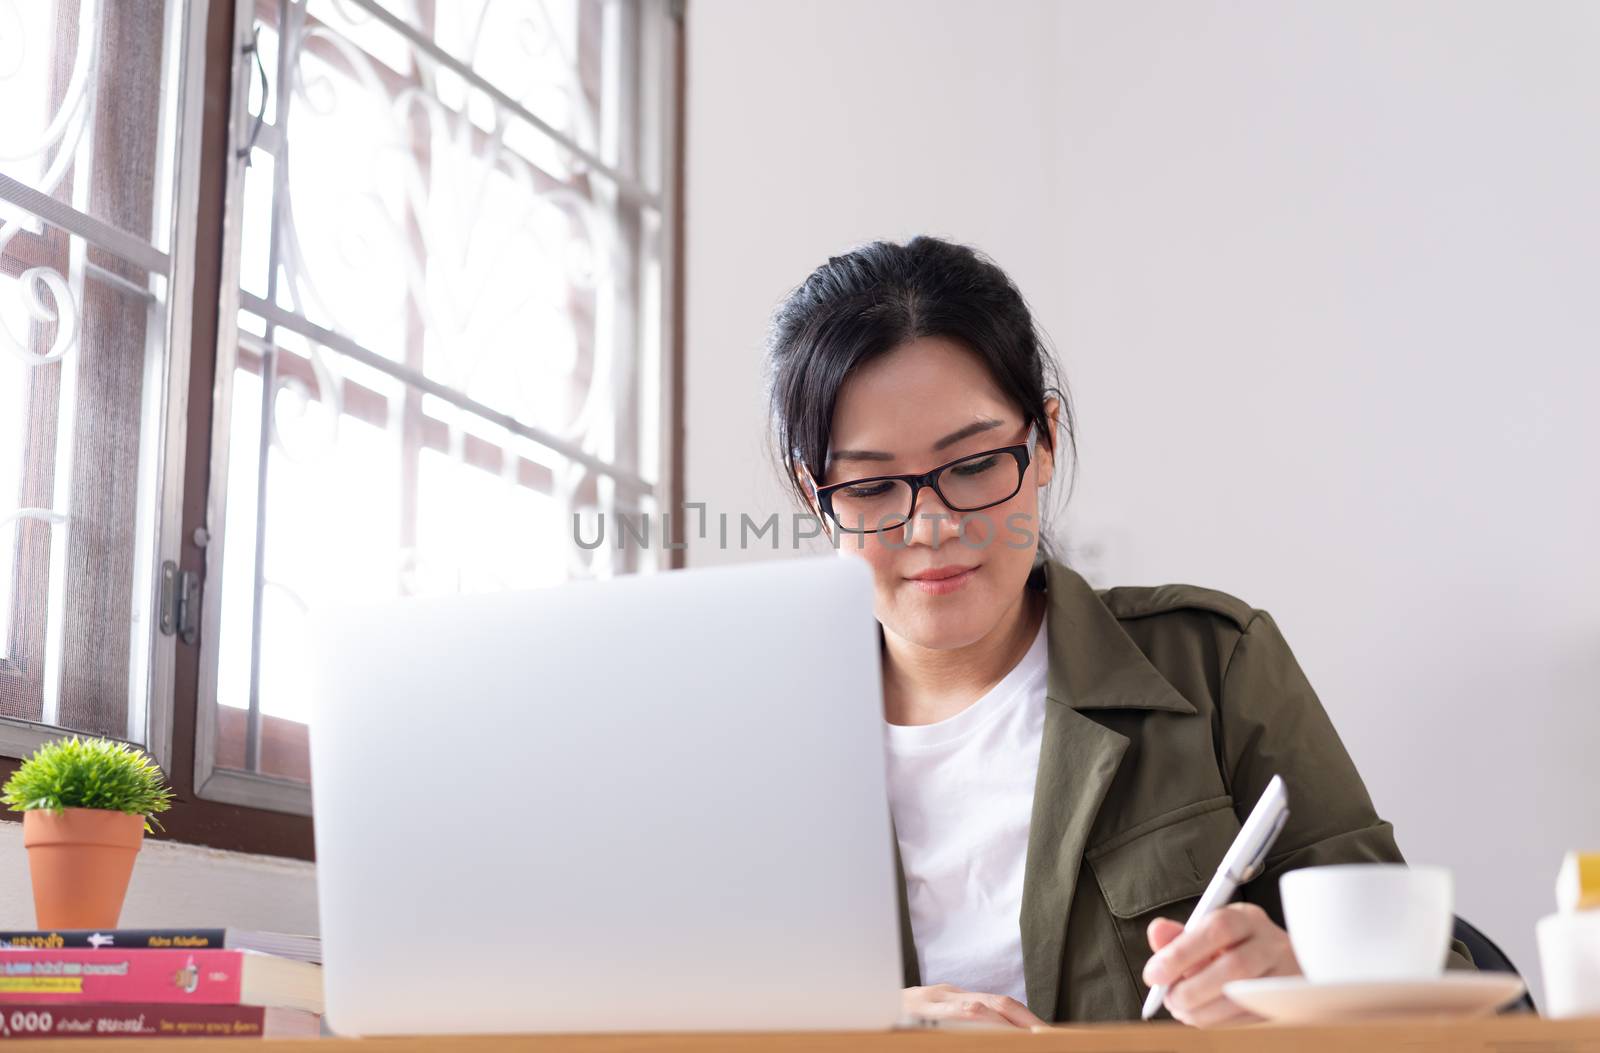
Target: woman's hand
column 1238, row 942
column 947, row 1002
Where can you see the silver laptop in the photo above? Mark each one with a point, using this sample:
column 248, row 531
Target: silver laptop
column 653, row 803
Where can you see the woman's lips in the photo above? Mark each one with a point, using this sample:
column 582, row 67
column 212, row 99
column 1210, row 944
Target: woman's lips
column 941, row 580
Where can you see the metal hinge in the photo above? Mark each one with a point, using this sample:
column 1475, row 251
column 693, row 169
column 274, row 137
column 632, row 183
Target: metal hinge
column 180, row 603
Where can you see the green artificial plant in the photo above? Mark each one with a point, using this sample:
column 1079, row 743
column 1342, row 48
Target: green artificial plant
column 89, row 773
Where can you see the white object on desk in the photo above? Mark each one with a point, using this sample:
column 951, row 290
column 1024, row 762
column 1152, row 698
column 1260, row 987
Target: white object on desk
column 1569, row 955
column 1241, row 863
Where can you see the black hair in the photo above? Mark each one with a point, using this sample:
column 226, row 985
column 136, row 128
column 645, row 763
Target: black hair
column 878, row 297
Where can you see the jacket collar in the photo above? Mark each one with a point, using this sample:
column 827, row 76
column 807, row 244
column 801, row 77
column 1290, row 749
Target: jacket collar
column 1094, row 664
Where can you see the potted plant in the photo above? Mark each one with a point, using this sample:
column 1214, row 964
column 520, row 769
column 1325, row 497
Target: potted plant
column 85, row 804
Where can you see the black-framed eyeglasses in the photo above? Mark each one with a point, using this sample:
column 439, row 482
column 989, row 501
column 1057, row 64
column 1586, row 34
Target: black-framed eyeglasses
column 968, row 484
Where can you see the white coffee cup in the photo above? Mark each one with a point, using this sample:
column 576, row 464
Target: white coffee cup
column 1569, row 954
column 1369, row 921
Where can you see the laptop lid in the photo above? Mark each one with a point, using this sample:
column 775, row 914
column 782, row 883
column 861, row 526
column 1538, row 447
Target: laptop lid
column 650, row 803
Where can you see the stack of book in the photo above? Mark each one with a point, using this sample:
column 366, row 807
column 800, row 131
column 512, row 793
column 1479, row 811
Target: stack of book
column 125, row 983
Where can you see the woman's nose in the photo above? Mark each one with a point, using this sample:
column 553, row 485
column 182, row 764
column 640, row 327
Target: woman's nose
column 933, row 523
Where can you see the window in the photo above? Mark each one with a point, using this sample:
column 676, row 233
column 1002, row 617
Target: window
column 443, row 319
column 95, row 271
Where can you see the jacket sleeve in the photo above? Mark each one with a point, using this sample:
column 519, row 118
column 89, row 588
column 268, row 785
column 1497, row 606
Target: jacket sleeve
column 1271, row 722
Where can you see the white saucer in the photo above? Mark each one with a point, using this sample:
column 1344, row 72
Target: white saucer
column 1294, row 999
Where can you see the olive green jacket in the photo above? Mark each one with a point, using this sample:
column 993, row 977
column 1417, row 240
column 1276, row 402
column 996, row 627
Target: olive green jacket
column 1167, row 711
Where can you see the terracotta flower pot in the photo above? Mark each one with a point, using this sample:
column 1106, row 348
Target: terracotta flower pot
column 81, row 860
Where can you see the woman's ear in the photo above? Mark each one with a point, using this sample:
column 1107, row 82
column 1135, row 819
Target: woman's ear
column 1044, row 453
column 808, row 487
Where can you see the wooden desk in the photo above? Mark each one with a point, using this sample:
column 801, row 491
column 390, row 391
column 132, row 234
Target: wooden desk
column 1510, row 1034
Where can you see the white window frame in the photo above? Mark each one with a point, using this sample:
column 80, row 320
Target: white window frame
column 162, row 501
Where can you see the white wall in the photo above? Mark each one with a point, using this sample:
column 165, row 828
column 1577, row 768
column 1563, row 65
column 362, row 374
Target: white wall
column 1325, row 279
column 183, row 885
column 814, row 126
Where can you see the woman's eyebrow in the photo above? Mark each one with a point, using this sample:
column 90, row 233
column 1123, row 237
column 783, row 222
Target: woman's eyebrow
column 982, row 424
column 859, row 455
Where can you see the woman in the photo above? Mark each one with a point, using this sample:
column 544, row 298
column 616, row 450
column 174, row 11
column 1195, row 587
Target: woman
column 1066, row 766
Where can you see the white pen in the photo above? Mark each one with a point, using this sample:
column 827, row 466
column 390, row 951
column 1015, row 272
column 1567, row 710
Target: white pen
column 1241, row 863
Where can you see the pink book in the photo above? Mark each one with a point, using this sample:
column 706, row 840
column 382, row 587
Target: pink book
column 177, row 977
column 156, row 1021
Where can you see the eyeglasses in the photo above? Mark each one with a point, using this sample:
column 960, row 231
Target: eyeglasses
column 886, row 502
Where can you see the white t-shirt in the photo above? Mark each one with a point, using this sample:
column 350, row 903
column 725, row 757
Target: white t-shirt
column 961, row 792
